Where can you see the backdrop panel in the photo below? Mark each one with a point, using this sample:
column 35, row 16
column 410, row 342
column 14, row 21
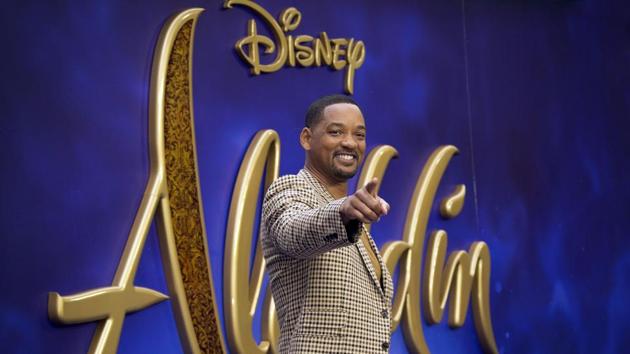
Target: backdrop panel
column 534, row 94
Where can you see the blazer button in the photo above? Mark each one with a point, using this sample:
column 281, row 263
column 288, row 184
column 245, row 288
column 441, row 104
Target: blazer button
column 385, row 346
column 385, row 314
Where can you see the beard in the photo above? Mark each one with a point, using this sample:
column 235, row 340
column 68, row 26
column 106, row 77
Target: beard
column 343, row 175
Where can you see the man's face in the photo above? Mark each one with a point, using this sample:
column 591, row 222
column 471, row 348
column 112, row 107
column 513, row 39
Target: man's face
column 336, row 143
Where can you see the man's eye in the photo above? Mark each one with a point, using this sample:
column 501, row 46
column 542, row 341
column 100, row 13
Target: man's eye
column 335, row 132
column 360, row 135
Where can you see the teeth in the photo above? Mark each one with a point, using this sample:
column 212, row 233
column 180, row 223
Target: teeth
column 345, row 157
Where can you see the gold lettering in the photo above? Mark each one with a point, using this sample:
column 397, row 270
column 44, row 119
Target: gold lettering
column 338, row 50
column 337, row 53
column 241, row 291
column 253, row 40
column 191, row 291
column 468, row 273
column 323, row 50
column 408, row 253
column 452, row 204
column 291, row 49
column 356, row 57
column 465, row 274
column 304, row 53
column 290, row 18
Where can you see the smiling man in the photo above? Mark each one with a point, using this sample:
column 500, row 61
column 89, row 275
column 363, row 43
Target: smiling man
column 330, row 286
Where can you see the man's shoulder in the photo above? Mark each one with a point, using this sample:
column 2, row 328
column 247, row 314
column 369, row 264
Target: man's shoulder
column 296, row 181
column 291, row 188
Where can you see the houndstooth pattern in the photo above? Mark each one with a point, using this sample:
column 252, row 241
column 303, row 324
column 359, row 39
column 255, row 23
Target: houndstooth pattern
column 324, row 285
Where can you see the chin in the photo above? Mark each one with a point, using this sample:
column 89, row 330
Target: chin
column 345, row 175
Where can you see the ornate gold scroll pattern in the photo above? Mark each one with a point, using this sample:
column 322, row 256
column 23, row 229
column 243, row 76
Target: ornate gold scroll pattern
column 182, row 237
column 184, row 194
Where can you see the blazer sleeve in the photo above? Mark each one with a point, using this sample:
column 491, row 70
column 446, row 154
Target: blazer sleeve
column 298, row 229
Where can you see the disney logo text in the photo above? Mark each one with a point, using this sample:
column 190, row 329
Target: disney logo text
column 305, row 50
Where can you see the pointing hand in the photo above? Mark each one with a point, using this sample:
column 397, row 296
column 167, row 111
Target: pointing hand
column 364, row 205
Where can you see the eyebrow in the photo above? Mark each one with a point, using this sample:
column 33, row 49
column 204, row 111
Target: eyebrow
column 339, row 125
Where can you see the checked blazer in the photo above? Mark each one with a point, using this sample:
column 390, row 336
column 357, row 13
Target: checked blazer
column 324, row 285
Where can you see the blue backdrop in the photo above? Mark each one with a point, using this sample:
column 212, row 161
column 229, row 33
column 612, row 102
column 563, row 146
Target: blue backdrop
column 535, row 94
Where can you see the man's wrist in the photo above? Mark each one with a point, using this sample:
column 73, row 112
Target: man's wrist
column 352, row 230
column 351, row 226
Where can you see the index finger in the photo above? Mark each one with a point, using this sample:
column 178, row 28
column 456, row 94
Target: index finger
column 370, row 187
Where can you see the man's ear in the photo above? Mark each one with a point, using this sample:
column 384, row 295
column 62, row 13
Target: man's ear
column 305, row 138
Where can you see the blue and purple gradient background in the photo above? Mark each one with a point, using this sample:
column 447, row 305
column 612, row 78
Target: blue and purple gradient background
column 535, row 94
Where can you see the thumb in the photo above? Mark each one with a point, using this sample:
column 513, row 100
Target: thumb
column 370, row 187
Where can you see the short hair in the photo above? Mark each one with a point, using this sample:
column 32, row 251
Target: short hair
column 316, row 109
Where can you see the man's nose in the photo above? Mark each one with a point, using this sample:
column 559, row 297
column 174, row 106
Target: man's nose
column 349, row 142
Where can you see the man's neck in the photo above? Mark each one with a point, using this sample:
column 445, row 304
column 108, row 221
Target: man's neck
column 337, row 189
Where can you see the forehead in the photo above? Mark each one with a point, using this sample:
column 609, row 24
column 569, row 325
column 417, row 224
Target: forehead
column 345, row 114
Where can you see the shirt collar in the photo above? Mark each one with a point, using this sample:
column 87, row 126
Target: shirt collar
column 316, row 183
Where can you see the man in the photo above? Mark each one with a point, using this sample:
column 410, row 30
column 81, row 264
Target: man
column 330, row 286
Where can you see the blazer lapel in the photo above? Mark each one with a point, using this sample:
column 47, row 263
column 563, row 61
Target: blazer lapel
column 387, row 282
column 388, row 287
column 368, row 262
